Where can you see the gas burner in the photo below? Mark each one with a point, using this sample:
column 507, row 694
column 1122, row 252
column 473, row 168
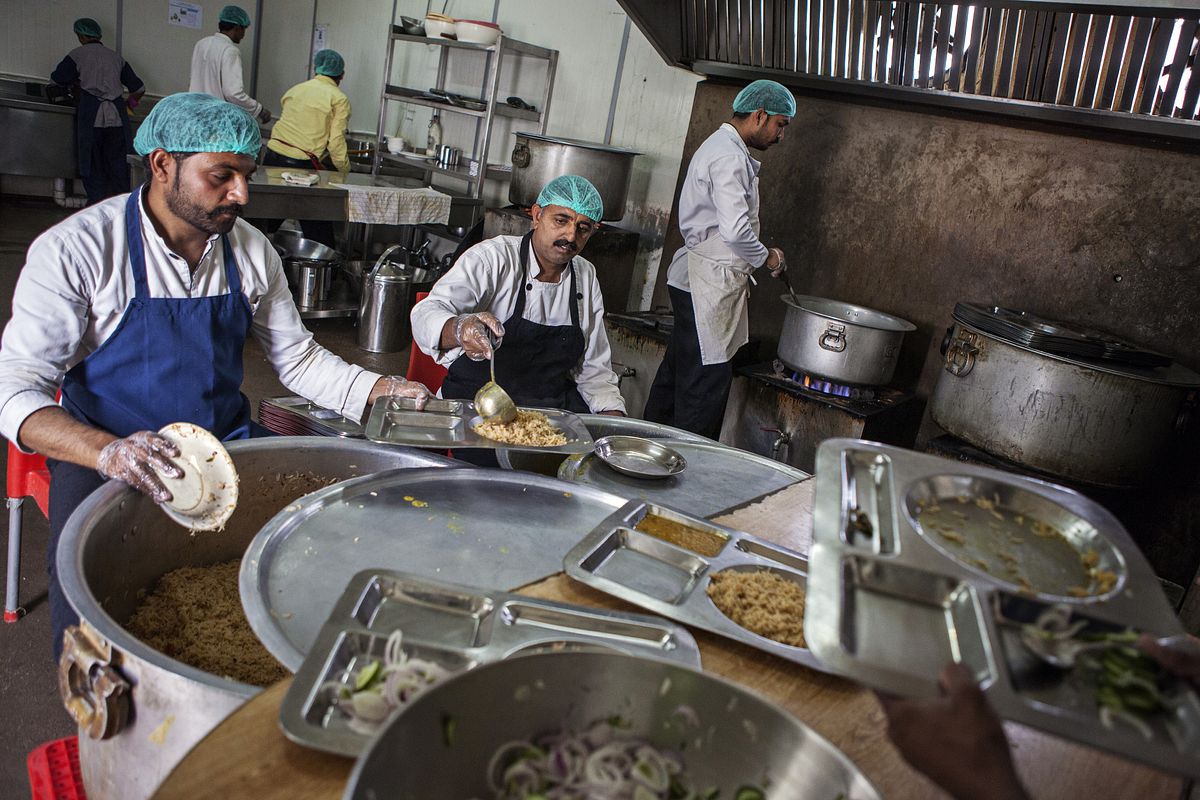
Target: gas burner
column 825, row 386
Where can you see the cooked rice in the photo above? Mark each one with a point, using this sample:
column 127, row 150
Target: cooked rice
column 761, row 602
column 530, row 428
column 194, row 615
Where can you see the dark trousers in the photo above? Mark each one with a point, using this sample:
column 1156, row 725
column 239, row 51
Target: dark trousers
column 317, row 230
column 110, row 171
column 687, row 394
column 69, row 485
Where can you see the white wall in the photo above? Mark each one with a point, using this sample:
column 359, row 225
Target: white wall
column 653, row 100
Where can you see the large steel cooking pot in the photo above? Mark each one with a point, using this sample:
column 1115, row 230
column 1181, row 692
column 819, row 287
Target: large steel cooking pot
column 733, row 737
column 1103, row 424
column 598, row 425
column 151, row 709
column 538, row 159
column 840, row 341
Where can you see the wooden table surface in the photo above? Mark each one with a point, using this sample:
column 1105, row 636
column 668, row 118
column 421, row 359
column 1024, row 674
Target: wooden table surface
column 248, row 756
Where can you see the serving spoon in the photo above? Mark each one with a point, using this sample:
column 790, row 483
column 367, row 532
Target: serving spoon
column 491, row 401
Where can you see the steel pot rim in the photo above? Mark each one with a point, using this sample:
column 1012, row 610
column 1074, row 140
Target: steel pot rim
column 893, row 324
column 604, row 148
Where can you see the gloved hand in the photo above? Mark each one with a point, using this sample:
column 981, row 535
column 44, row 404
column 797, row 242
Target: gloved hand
column 471, row 333
column 775, row 262
column 395, row 386
column 138, row 460
column 264, row 116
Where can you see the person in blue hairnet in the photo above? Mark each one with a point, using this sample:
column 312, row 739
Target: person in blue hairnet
column 538, row 298
column 138, row 309
column 96, row 75
column 217, row 63
column 709, row 277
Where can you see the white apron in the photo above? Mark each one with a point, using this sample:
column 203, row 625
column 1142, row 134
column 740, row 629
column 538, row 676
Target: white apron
column 720, row 285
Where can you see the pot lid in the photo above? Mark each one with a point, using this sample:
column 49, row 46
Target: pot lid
column 1058, row 338
column 1074, row 344
column 604, row 148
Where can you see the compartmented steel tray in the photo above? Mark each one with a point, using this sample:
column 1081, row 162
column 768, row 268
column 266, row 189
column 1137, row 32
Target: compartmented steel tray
column 458, row 627
column 451, row 424
column 672, row 580
column 918, row 561
column 295, row 416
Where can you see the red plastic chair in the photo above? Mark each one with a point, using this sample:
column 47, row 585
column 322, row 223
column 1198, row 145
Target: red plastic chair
column 54, row 772
column 423, row 368
column 27, row 477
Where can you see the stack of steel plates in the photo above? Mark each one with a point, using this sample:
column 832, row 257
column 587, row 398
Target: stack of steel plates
column 1057, row 338
column 295, row 416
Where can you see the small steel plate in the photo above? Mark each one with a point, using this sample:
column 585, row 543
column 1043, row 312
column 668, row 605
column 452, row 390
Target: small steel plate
column 458, row 627
column 641, row 458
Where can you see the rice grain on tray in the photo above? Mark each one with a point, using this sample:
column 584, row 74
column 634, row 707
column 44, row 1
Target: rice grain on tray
column 531, row 428
column 761, row 602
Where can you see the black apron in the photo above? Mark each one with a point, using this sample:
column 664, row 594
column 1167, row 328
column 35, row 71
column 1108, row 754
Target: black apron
column 535, row 361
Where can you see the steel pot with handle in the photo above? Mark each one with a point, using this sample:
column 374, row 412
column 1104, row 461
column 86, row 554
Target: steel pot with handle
column 139, row 710
column 1100, row 423
column 840, row 341
column 538, row 159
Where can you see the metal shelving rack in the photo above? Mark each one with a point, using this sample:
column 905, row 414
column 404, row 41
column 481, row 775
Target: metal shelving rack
column 495, row 58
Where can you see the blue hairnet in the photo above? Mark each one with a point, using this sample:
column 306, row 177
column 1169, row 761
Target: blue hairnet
column 192, row 122
column 86, row 26
column 234, row 15
column 770, row 96
column 329, row 62
column 574, row 192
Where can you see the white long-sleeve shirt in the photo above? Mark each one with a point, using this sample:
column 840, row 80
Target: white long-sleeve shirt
column 217, row 70
column 721, row 183
column 488, row 277
column 77, row 282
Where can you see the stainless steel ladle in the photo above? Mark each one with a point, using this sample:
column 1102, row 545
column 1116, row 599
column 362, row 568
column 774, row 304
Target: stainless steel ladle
column 491, row 401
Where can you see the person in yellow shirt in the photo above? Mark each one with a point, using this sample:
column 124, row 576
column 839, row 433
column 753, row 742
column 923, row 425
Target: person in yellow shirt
column 311, row 131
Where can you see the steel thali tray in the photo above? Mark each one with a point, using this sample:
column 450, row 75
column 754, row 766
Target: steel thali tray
column 458, row 627
column 672, row 580
column 297, row 416
column 445, row 524
column 451, row 424
column 918, row 561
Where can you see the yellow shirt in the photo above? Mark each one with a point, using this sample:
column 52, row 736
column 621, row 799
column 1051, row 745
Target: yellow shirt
column 314, row 118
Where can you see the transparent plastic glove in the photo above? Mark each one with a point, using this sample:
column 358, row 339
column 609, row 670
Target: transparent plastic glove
column 138, row 460
column 395, row 386
column 264, row 116
column 779, row 266
column 471, row 332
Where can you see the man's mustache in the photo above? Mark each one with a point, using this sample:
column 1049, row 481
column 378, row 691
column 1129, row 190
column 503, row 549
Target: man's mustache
column 567, row 244
column 235, row 208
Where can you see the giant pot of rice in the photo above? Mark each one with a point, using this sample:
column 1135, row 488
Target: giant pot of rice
column 115, row 548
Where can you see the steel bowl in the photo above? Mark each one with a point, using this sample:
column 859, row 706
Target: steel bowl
column 638, row 457
column 440, row 746
column 412, row 26
column 598, row 425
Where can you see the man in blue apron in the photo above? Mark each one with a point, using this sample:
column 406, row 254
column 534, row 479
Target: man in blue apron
column 102, row 138
column 709, row 277
column 139, row 308
column 555, row 351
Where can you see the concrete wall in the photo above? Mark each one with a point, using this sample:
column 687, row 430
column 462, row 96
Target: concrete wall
column 911, row 211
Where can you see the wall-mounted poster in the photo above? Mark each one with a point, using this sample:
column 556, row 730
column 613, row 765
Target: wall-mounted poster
column 185, row 15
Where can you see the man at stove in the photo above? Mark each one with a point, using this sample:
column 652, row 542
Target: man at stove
column 555, row 351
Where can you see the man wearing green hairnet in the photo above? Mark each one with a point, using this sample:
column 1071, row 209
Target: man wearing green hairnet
column 95, row 75
column 217, row 63
column 139, row 308
column 709, row 277
column 536, row 296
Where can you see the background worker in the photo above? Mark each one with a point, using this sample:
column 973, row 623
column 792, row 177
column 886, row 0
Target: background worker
column 217, row 63
column 102, row 135
column 709, row 277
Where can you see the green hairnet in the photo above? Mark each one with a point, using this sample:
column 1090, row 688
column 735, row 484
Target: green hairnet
column 192, row 122
column 234, row 15
column 574, row 192
column 770, row 96
column 86, row 26
column 329, row 62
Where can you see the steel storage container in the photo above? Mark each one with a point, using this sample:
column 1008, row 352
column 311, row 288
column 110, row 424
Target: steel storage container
column 840, row 341
column 1101, row 423
column 139, row 710
column 538, row 159
column 389, row 291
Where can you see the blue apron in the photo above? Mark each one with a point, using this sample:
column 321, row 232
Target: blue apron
column 171, row 359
